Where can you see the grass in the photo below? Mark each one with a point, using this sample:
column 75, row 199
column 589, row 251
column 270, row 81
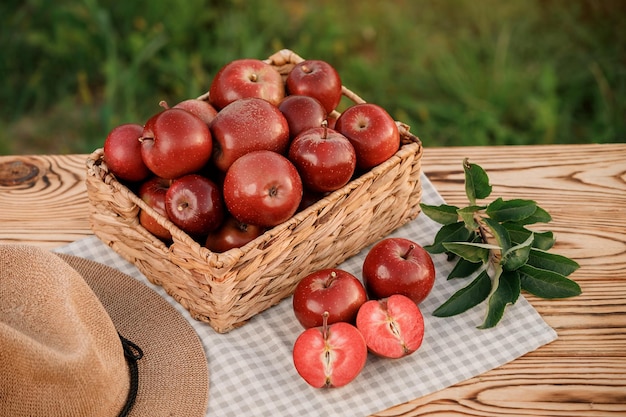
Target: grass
column 460, row 72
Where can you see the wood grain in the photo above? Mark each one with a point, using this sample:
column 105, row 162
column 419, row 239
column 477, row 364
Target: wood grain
column 49, row 209
column 583, row 187
column 583, row 372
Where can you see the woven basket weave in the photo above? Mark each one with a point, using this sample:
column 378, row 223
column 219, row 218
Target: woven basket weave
column 227, row 289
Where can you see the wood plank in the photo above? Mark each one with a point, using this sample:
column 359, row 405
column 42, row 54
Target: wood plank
column 582, row 373
column 48, row 209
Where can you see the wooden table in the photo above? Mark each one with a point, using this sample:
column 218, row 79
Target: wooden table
column 43, row 202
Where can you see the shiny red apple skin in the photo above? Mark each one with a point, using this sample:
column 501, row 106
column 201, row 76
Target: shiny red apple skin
column 324, row 158
column 200, row 108
column 244, row 78
column 330, row 356
column 262, row 188
column 122, row 153
column 194, row 203
column 318, row 79
column 247, row 125
column 152, row 192
column 174, row 143
column 392, row 327
column 302, row 113
column 232, row 234
column 398, row 266
column 372, row 131
column 333, row 290
column 309, row 198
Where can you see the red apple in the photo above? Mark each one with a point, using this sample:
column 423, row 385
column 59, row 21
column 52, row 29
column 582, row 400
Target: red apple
column 331, row 290
column 317, row 79
column 247, row 125
column 232, row 234
column 309, row 198
column 122, row 153
column 262, row 188
column 302, row 113
column 244, row 78
column 392, row 327
column 324, row 158
column 201, row 108
column 331, row 120
column 152, row 192
column 174, row 143
column 398, row 266
column 372, row 131
column 194, row 204
column 330, row 356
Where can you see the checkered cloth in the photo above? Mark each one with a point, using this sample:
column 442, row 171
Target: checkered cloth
column 251, row 370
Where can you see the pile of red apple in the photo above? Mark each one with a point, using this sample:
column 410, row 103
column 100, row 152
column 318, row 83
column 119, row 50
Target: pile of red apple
column 259, row 148
column 343, row 325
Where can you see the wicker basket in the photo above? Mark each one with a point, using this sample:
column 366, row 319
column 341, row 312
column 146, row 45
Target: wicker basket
column 227, row 289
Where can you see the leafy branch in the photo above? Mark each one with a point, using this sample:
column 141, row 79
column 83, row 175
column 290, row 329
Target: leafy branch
column 493, row 244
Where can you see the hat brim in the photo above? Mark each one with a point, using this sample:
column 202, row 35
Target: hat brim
column 173, row 373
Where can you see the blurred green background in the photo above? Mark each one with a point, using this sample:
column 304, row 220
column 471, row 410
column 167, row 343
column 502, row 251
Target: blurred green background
column 460, row 72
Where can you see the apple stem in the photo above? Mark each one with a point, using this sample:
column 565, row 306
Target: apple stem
column 329, row 281
column 164, row 104
column 325, row 126
column 182, row 206
column 325, row 324
column 408, row 252
column 253, row 78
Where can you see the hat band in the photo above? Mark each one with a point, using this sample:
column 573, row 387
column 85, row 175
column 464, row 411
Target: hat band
column 132, row 353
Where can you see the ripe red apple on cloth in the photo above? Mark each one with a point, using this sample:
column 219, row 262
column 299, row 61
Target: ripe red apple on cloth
column 392, row 327
column 398, row 266
column 330, row 355
column 332, row 290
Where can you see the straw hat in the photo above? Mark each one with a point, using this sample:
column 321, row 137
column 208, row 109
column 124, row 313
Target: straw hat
column 61, row 354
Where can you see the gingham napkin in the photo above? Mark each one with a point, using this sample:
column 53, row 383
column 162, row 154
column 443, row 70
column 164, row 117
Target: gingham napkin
column 251, row 370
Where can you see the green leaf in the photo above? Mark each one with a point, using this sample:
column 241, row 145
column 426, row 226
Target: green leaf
column 543, row 240
column 518, row 234
column 465, row 298
column 547, row 284
column 473, row 252
column 444, row 214
column 464, row 268
column 511, row 210
column 476, row 182
column 523, row 262
column 552, row 262
column 539, row 216
column 506, row 293
column 454, row 232
column 499, row 233
column 517, row 256
column 467, row 214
